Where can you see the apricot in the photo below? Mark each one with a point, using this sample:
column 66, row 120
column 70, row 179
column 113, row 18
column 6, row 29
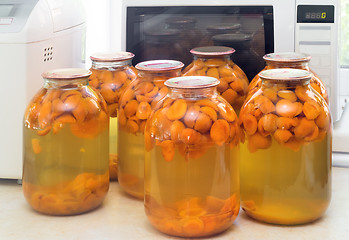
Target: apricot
column 286, row 123
column 238, row 86
column 131, row 108
column 222, row 86
column 191, row 115
column 302, row 93
column 304, row 128
column 228, row 113
column 286, row 108
column 282, row 136
column 176, row 129
column 192, row 226
column 250, row 124
column 271, row 93
column 80, row 112
column 143, row 110
column 167, row 150
column 190, row 136
column 323, row 120
column 258, row 141
column 203, row 123
column 127, row 96
column 220, row 131
column 311, row 109
column 230, row 95
column 120, row 77
column 177, row 110
column 207, row 103
column 210, row 112
column 36, row 146
column 294, row 144
column 214, row 62
column 287, row 94
column 213, row 72
column 267, row 124
column 225, row 71
column 44, row 115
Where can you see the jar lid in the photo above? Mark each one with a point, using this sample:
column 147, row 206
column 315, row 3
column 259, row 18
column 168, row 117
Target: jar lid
column 66, row 73
column 223, row 27
column 232, row 37
column 287, row 57
column 192, row 82
column 111, row 56
column 159, row 65
column 162, row 33
column 180, row 20
column 210, row 51
column 285, row 74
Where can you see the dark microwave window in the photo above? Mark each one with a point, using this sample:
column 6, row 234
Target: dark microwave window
column 171, row 32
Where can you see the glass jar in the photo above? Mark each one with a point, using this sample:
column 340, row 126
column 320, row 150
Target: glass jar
column 65, row 140
column 289, row 60
column 216, row 29
column 162, row 44
column 245, row 56
column 192, row 160
column 111, row 74
column 214, row 61
column 135, row 105
column 286, row 156
column 188, row 36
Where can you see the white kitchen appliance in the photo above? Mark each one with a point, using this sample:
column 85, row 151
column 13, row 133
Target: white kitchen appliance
column 35, row 36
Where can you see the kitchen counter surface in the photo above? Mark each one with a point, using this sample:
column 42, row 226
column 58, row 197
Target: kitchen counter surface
column 122, row 217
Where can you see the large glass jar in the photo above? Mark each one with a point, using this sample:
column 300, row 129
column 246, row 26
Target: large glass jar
column 192, row 160
column 162, row 44
column 289, row 60
column 135, row 105
column 286, row 156
column 214, row 61
column 65, row 140
column 111, row 74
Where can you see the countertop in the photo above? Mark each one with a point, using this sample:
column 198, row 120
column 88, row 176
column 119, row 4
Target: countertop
column 122, row 217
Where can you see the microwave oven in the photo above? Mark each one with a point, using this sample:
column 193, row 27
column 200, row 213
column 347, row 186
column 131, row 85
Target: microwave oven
column 307, row 26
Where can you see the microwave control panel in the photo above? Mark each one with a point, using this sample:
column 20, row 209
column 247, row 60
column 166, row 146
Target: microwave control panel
column 317, row 35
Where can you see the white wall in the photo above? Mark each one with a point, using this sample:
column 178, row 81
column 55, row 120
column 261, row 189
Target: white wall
column 97, row 27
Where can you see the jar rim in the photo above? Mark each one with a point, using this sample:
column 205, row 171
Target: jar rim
column 285, row 57
column 192, row 82
column 66, row 73
column 159, row 65
column 285, row 74
column 223, row 26
column 111, row 56
column 209, row 51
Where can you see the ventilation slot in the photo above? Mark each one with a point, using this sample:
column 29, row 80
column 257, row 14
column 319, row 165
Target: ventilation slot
column 48, row 54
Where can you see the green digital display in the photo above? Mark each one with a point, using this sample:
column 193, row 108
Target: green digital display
column 315, row 14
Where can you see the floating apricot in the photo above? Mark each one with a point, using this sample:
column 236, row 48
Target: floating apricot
column 282, row 136
column 127, row 96
column 203, row 123
column 120, row 77
column 131, row 108
column 287, row 94
column 228, row 113
column 271, row 93
column 191, row 116
column 311, row 109
column 220, row 131
column 323, row 120
column 44, row 131
column 107, row 76
column 222, row 86
column 190, row 136
column 250, row 124
column 210, row 112
column 285, row 123
column 238, row 86
column 214, row 62
column 225, row 71
column 80, row 112
column 313, row 136
column 177, row 110
column 258, row 141
column 176, row 129
column 294, row 144
column 269, row 122
column 44, row 117
column 207, row 103
column 304, row 128
column 36, row 146
column 302, row 93
column 230, row 95
column 143, row 110
column 167, row 150
column 286, row 108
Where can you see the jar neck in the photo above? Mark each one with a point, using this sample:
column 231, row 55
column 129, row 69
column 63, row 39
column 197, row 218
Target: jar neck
column 297, row 65
column 65, row 83
column 225, row 58
column 192, row 94
column 284, row 84
column 159, row 76
column 111, row 65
